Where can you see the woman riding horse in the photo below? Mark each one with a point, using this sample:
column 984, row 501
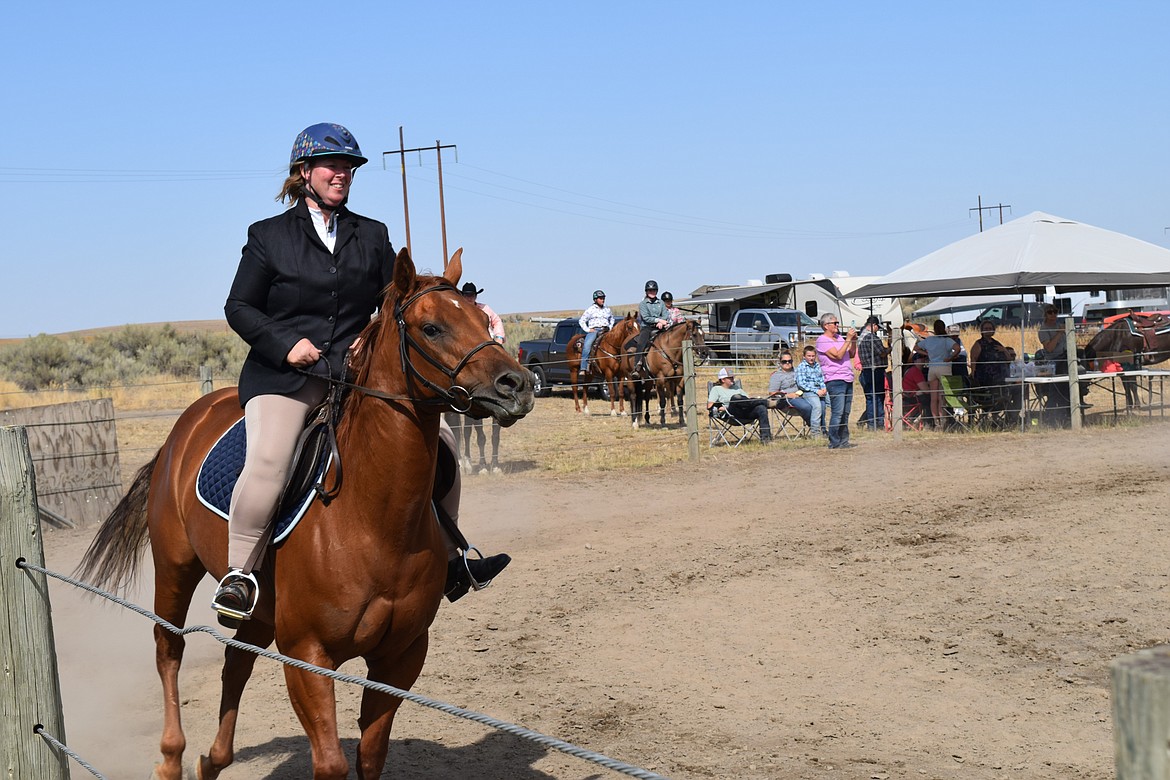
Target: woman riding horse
column 308, row 282
column 363, row 574
column 663, row 366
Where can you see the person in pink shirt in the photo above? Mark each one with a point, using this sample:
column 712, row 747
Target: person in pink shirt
column 835, row 354
column 495, row 324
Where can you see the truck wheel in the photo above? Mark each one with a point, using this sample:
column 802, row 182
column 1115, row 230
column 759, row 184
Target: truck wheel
column 540, row 387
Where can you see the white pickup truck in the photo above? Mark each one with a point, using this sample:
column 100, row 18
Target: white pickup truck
column 764, row 332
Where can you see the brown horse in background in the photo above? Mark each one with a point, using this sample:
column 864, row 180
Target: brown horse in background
column 363, row 574
column 608, row 360
column 664, row 368
column 1145, row 337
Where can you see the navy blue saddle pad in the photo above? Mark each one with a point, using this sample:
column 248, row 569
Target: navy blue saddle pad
column 221, row 468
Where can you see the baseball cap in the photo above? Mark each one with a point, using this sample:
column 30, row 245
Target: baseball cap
column 725, row 374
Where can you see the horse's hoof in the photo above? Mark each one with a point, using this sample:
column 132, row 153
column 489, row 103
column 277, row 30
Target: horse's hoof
column 204, row 769
column 613, row 413
column 497, row 470
column 586, row 411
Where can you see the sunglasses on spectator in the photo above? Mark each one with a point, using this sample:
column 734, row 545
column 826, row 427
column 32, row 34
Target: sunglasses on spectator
column 789, row 362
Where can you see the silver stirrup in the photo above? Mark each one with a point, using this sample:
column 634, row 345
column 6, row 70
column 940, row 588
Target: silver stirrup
column 232, row 613
column 475, row 584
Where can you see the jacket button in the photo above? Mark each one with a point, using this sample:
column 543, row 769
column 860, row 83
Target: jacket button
column 331, row 318
column 333, row 294
column 332, row 269
column 326, row 344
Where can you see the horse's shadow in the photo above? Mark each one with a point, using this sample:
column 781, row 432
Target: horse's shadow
column 497, row 756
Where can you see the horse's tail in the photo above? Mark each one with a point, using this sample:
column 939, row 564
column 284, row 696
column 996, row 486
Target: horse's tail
column 111, row 562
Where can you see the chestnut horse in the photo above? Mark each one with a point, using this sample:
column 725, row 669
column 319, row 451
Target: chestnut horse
column 1147, row 337
column 608, row 361
column 663, row 364
column 363, row 574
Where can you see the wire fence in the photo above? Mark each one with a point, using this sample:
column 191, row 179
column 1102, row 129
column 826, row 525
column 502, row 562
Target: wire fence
column 544, row 740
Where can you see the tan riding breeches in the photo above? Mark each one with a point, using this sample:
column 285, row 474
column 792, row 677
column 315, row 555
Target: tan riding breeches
column 273, row 424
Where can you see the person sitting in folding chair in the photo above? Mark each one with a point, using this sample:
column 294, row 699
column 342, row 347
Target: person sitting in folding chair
column 783, row 387
column 915, row 391
column 739, row 406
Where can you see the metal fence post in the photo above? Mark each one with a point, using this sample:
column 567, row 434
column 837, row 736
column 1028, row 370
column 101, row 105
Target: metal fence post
column 31, row 694
column 205, row 386
column 689, row 401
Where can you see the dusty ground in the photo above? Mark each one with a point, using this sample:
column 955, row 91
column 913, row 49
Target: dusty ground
column 944, row 608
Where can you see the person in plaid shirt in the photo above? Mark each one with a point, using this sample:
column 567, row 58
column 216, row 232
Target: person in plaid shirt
column 811, row 380
column 873, row 355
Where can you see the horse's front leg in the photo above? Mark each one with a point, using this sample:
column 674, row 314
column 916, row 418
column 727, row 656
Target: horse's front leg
column 611, row 383
column 314, row 702
column 237, row 669
column 574, row 378
column 378, row 709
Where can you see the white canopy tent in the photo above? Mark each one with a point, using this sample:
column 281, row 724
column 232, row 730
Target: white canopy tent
column 1038, row 254
column 955, row 304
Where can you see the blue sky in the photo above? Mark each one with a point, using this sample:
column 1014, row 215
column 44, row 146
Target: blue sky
column 599, row 144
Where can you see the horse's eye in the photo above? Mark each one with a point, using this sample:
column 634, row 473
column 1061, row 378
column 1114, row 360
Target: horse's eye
column 430, row 330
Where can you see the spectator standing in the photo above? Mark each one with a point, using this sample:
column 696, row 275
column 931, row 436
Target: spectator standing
column 940, row 349
column 495, row 324
column 595, row 320
column 811, row 382
column 835, row 354
column 873, row 354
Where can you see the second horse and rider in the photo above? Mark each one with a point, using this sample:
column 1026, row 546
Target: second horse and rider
column 654, row 316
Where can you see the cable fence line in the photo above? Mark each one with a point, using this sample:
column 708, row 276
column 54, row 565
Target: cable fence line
column 39, row 730
column 450, row 709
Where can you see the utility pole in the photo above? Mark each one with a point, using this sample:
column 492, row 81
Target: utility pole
column 438, row 147
column 981, row 208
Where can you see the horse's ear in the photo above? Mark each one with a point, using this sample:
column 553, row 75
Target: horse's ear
column 404, row 273
column 454, row 268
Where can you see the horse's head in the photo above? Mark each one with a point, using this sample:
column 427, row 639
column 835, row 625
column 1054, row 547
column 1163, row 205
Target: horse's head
column 698, row 341
column 627, row 327
column 433, row 343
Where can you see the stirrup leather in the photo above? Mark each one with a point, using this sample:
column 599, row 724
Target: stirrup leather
column 236, row 614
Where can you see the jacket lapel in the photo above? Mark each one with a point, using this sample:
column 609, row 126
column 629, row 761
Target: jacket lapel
column 302, row 212
column 346, row 229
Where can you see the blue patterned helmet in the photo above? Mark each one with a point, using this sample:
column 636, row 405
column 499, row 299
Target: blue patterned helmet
column 326, row 140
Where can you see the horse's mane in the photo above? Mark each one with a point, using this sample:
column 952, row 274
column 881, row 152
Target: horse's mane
column 374, row 334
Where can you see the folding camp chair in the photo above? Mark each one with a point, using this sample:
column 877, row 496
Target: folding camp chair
column 789, row 423
column 956, row 402
column 725, row 429
column 914, row 411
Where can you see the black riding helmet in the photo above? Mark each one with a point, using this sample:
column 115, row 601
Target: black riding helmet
column 666, row 296
column 651, row 285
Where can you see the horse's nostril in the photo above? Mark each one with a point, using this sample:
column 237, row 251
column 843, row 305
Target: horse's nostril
column 511, row 381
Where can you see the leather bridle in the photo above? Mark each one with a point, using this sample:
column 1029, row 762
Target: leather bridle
column 456, row 396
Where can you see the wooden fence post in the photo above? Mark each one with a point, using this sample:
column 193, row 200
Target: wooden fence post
column 1141, row 714
column 897, row 345
column 689, row 400
column 205, row 385
column 31, row 693
column 1074, row 386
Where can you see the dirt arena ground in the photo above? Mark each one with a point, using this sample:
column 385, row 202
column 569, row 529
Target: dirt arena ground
column 947, row 608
